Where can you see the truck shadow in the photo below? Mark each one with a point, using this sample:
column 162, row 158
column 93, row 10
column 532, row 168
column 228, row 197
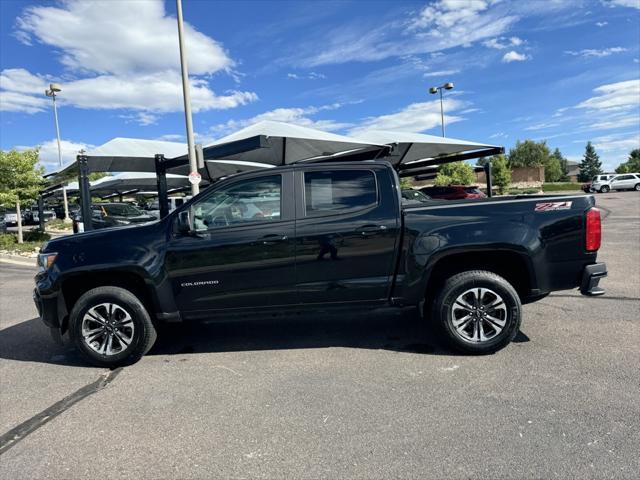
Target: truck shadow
column 30, row 341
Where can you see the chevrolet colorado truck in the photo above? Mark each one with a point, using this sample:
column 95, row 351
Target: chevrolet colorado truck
column 318, row 237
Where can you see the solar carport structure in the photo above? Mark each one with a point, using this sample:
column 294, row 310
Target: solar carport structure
column 266, row 145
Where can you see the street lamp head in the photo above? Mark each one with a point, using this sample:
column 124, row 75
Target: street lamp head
column 55, row 87
column 433, row 90
column 448, row 86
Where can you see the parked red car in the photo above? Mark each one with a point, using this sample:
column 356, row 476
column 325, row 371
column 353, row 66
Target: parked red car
column 453, row 192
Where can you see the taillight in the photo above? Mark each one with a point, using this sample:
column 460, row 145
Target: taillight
column 593, row 234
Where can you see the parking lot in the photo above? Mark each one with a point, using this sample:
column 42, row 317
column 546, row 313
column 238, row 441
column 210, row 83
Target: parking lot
column 356, row 397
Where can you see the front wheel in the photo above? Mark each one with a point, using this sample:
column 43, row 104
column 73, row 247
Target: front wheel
column 637, row 187
column 604, row 189
column 111, row 327
column 478, row 312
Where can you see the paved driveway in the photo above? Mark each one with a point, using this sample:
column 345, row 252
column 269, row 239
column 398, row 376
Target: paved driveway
column 359, row 396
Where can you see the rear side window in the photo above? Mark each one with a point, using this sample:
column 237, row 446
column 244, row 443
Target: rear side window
column 339, row 191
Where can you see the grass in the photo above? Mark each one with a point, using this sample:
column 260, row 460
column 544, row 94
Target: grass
column 33, row 240
column 561, row 187
column 58, row 224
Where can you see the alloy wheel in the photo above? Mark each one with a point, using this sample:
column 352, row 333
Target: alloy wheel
column 107, row 329
column 478, row 315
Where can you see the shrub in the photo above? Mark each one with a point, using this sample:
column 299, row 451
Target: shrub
column 561, row 187
column 8, row 241
column 36, row 236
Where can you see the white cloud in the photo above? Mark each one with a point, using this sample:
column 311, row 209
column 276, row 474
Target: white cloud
column 621, row 143
column 49, row 151
column 159, row 93
column 499, row 135
column 513, row 56
column 440, row 73
column 143, row 39
column 416, row 117
column 306, row 76
column 501, row 43
column 615, row 96
column 541, row 126
column 438, row 26
column 601, row 24
column 132, row 63
column 590, row 52
column 297, row 115
column 624, row 3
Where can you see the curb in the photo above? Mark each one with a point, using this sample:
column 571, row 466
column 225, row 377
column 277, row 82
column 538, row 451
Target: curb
column 18, row 260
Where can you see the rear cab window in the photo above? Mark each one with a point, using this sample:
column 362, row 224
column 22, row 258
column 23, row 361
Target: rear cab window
column 339, row 191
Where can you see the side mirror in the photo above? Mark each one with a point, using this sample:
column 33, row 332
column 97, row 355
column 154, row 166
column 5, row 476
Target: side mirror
column 184, row 221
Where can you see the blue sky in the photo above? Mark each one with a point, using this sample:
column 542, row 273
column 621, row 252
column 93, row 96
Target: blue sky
column 560, row 70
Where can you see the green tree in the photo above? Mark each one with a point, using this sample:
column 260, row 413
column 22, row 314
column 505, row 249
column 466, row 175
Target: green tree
column 529, row 154
column 405, row 183
column 590, row 165
column 500, row 173
column 632, row 165
column 20, row 180
column 455, row 173
column 564, row 167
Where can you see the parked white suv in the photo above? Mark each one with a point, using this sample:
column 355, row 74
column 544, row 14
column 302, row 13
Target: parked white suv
column 599, row 181
column 624, row 181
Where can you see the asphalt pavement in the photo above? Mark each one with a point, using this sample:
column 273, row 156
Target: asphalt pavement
column 359, row 396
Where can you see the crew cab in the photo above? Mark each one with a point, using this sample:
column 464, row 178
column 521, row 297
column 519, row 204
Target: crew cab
column 318, row 237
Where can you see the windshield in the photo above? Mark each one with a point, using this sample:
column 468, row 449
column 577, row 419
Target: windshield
column 121, row 210
column 415, row 195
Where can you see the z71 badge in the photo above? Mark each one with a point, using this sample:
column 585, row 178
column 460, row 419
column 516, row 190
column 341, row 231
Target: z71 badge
column 548, row 206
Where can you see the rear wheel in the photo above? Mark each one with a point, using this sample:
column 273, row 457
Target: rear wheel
column 604, row 189
column 478, row 312
column 111, row 327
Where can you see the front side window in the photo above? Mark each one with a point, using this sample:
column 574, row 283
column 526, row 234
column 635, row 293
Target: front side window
column 339, row 191
column 246, row 201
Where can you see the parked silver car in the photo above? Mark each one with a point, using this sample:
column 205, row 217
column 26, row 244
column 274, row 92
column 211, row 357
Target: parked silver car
column 623, row 181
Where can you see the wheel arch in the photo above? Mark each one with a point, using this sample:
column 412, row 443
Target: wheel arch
column 75, row 285
column 513, row 266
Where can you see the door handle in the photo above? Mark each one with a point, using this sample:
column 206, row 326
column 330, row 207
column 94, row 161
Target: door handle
column 273, row 239
column 368, row 230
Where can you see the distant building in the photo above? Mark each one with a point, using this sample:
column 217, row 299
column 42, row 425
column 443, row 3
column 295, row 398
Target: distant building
column 573, row 169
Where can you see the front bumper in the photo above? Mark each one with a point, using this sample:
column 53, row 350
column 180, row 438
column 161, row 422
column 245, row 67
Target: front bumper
column 591, row 277
column 51, row 308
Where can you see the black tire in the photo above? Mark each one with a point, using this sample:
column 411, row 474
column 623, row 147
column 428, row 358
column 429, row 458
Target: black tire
column 495, row 288
column 141, row 333
column 604, row 189
column 637, row 187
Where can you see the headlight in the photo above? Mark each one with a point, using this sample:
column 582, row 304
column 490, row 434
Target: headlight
column 45, row 260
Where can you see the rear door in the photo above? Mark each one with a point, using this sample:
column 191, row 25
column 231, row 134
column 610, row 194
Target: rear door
column 623, row 181
column 241, row 252
column 346, row 229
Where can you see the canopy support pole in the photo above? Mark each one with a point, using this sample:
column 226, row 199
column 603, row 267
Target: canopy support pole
column 487, row 173
column 41, row 212
column 85, row 192
column 284, row 150
column 161, row 174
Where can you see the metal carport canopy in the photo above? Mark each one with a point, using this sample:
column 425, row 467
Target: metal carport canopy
column 128, row 181
column 412, row 150
column 268, row 144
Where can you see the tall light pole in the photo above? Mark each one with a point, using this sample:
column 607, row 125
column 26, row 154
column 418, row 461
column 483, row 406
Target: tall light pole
column 446, row 86
column 193, row 167
column 51, row 92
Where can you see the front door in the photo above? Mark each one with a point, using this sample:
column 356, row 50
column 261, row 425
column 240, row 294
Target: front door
column 346, row 229
column 240, row 252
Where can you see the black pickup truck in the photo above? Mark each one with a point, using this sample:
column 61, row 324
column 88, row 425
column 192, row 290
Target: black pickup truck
column 318, row 237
